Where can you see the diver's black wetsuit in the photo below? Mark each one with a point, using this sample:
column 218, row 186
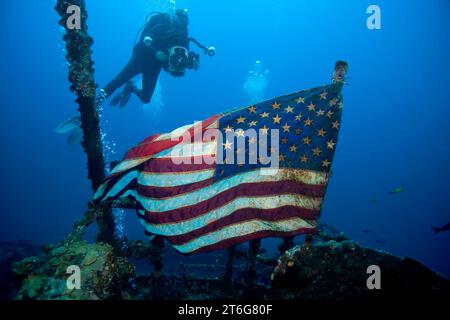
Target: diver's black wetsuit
column 165, row 32
column 142, row 62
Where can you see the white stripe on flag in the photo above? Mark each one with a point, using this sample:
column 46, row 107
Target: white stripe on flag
column 175, row 133
column 181, row 130
column 120, row 185
column 174, row 179
column 203, row 194
column 243, row 229
column 188, row 150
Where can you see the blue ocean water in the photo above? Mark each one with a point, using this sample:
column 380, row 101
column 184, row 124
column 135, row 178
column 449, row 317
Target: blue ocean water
column 395, row 130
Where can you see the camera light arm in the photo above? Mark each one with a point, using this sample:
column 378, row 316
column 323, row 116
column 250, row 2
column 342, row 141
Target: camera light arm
column 211, row 51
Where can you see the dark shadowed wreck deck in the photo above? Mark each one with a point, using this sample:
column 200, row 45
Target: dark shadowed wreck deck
column 329, row 270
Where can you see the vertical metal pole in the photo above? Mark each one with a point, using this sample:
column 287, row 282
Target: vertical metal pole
column 156, row 254
column 288, row 243
column 156, row 258
column 81, row 76
column 250, row 270
column 229, row 266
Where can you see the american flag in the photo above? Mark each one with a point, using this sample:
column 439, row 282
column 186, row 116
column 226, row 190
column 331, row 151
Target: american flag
column 200, row 205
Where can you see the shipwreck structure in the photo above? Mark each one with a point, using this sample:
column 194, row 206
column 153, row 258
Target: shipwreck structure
column 81, row 76
column 290, row 268
column 333, row 268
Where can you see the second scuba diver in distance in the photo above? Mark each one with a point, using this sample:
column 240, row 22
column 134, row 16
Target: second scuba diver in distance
column 163, row 44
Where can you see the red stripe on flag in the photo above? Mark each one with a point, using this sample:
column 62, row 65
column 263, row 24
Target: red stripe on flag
column 160, row 193
column 243, row 215
column 253, row 236
column 167, row 165
column 227, row 243
column 243, row 190
column 150, row 147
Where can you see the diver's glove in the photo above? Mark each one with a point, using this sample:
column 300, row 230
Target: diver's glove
column 101, row 98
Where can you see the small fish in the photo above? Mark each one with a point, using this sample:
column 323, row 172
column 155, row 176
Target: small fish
column 442, row 229
column 69, row 125
column 396, row 191
column 73, row 127
column 75, row 137
column 367, row 231
column 373, row 200
column 379, row 241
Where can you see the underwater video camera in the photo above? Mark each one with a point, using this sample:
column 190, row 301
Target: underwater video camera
column 181, row 58
column 178, row 61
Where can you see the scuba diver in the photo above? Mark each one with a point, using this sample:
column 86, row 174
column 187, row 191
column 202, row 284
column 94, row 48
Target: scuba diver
column 256, row 83
column 163, row 44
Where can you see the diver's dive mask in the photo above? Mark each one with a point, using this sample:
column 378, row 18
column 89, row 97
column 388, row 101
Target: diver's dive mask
column 178, row 61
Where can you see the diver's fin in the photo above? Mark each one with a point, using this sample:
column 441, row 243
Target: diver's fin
column 437, row 230
column 75, row 137
column 126, row 94
column 69, row 125
column 116, row 100
column 122, row 98
column 125, row 98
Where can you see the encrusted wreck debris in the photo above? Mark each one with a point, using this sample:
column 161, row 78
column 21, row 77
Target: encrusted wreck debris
column 328, row 270
column 103, row 274
column 11, row 252
column 335, row 270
